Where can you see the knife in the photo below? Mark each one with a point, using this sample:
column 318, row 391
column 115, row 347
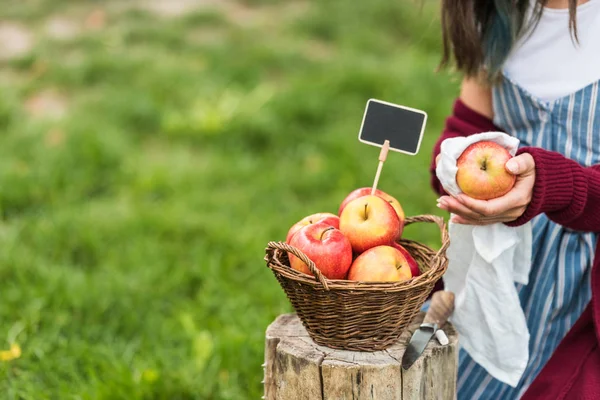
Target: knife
column 442, row 306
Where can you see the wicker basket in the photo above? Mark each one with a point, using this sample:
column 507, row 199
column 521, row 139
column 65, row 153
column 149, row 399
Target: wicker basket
column 359, row 316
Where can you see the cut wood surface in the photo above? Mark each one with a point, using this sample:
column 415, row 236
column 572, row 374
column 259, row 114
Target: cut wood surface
column 297, row 368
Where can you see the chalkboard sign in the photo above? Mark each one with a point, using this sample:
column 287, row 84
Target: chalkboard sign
column 402, row 126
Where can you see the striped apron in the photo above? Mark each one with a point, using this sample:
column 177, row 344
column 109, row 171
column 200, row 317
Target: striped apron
column 559, row 282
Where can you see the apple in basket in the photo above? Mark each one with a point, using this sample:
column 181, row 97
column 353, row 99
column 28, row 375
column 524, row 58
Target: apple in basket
column 369, row 221
column 329, row 218
column 326, row 246
column 481, row 173
column 365, row 191
column 412, row 263
column 380, row 264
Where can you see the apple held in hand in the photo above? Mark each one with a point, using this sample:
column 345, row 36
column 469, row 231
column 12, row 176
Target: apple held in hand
column 369, row 221
column 367, row 191
column 481, row 173
column 329, row 218
column 380, row 264
column 326, row 246
column 412, row 263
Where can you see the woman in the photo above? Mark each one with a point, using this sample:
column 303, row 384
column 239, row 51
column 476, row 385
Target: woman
column 532, row 69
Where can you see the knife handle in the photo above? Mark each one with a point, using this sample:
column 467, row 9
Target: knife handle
column 442, row 306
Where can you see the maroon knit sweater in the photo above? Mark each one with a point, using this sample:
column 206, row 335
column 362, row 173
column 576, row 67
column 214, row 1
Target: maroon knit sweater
column 569, row 195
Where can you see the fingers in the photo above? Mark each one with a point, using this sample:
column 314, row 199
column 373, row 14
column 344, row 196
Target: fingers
column 508, row 217
column 518, row 197
column 466, row 215
column 457, row 219
column 521, row 164
column 481, row 207
column 453, row 206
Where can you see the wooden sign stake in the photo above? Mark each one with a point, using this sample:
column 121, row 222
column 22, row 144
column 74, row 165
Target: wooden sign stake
column 382, row 157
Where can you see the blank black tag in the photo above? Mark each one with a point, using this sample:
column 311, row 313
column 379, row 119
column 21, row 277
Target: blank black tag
column 402, row 126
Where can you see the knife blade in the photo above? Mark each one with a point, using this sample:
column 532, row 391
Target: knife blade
column 442, row 306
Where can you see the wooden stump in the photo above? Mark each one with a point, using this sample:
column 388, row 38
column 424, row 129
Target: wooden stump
column 297, row 368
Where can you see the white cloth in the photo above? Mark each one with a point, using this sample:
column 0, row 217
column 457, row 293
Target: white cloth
column 551, row 72
column 484, row 262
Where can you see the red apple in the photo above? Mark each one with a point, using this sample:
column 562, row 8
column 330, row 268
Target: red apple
column 481, row 173
column 412, row 263
column 369, row 221
column 367, row 191
column 380, row 264
column 329, row 218
column 326, row 246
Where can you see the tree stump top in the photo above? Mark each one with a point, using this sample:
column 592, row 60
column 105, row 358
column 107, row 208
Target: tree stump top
column 298, row 368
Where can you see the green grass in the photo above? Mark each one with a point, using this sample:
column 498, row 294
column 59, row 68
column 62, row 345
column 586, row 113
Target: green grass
column 133, row 228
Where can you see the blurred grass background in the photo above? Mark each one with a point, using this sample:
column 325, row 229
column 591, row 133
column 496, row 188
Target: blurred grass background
column 148, row 152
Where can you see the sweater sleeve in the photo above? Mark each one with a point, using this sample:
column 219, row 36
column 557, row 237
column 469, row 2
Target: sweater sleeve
column 568, row 193
column 464, row 121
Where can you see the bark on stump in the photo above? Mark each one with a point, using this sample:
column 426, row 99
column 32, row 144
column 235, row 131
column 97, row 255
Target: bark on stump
column 296, row 368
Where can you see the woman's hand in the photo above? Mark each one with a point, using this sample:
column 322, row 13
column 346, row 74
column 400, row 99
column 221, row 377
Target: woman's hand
column 501, row 209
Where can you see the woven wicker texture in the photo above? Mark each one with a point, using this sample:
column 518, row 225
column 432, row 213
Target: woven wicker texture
column 359, row 316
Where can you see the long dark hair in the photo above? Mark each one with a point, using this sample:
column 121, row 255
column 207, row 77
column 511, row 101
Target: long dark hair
column 478, row 35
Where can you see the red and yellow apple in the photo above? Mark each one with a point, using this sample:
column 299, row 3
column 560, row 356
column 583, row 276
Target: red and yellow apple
column 369, row 221
column 329, row 218
column 326, row 246
column 367, row 191
column 412, row 263
column 481, row 171
column 380, row 264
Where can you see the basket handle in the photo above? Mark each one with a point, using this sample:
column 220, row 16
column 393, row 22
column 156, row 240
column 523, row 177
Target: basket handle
column 311, row 265
column 439, row 221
